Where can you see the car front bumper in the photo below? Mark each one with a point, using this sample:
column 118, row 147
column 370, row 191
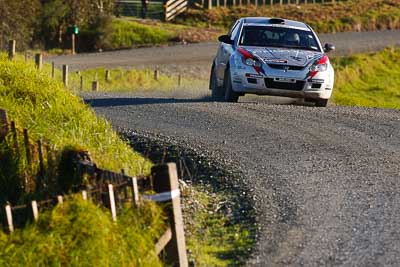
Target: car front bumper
column 264, row 86
column 282, row 83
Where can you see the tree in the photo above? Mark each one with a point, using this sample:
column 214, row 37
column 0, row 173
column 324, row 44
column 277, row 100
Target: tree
column 58, row 15
column 45, row 21
column 18, row 20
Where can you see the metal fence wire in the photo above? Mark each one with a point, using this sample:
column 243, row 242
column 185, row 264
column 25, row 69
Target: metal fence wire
column 106, row 188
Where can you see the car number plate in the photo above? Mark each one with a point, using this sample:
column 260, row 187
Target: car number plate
column 285, row 80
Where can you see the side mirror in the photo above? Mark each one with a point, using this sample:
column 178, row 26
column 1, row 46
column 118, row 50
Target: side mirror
column 329, row 48
column 225, row 39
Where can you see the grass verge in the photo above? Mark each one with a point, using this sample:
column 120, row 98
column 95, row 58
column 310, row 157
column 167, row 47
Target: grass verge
column 81, row 234
column 371, row 80
column 47, row 109
column 217, row 204
column 132, row 80
column 77, row 233
column 352, row 15
column 127, row 33
column 212, row 238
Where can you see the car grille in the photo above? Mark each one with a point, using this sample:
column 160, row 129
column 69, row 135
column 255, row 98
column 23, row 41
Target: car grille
column 282, row 67
column 297, row 86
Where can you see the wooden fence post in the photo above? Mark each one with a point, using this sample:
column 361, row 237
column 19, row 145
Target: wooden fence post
column 73, row 44
column 179, row 80
column 107, row 76
column 81, row 85
column 112, row 202
column 156, row 74
column 41, row 159
column 9, row 218
column 53, row 66
column 135, row 192
column 11, row 49
column 95, row 86
column 165, row 181
column 3, row 124
column 84, row 195
column 65, row 74
column 39, row 61
column 27, row 147
column 15, row 137
column 60, row 200
column 35, row 210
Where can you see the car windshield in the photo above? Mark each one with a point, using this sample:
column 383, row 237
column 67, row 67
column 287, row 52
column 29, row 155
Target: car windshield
column 278, row 37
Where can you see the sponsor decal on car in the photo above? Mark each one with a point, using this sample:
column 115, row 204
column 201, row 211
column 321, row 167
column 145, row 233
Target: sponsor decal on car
column 276, row 61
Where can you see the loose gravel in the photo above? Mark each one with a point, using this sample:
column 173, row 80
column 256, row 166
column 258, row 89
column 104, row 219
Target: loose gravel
column 324, row 181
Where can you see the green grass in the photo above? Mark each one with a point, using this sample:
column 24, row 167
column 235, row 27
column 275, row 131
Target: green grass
column 132, row 80
column 212, row 239
column 371, row 80
column 77, row 233
column 47, row 109
column 127, row 33
column 351, row 15
column 81, row 234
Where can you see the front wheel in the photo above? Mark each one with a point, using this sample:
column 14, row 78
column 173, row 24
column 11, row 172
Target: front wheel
column 217, row 92
column 230, row 95
column 321, row 102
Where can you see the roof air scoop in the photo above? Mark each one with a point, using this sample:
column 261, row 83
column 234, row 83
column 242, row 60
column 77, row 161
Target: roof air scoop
column 276, row 21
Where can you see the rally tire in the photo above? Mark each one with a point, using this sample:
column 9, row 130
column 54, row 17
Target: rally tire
column 230, row 95
column 217, row 92
column 321, row 102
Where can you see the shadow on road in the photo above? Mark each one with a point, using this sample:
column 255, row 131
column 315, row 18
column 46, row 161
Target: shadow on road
column 134, row 101
column 112, row 102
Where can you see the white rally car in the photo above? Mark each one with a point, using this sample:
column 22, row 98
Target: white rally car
column 271, row 56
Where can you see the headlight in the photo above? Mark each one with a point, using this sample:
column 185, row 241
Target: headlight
column 250, row 60
column 319, row 67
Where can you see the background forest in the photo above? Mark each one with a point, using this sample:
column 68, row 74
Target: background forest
column 43, row 24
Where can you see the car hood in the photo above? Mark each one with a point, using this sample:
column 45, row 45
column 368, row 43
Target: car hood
column 285, row 56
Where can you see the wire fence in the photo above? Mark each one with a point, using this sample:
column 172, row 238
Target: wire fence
column 107, row 189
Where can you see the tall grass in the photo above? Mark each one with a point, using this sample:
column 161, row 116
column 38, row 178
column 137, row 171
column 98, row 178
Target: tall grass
column 77, row 233
column 81, row 234
column 371, row 80
column 212, row 238
column 48, row 110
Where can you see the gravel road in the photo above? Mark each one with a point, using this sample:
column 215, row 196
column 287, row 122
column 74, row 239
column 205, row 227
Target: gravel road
column 195, row 59
column 326, row 181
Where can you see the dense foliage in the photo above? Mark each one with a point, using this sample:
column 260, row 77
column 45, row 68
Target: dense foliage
column 18, row 20
column 44, row 23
